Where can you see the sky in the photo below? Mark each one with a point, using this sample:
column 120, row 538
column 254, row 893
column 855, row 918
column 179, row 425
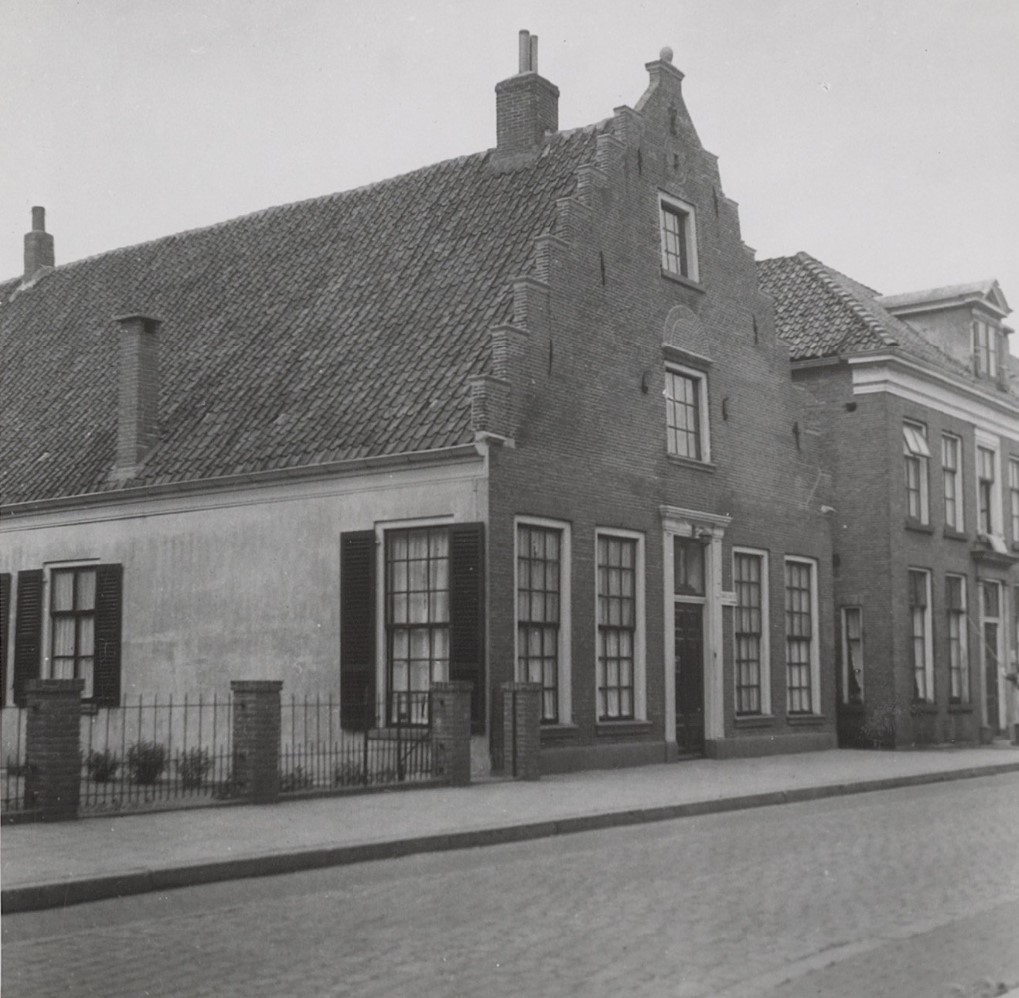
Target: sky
column 881, row 136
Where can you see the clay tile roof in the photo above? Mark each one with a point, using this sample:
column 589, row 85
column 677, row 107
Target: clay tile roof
column 337, row 328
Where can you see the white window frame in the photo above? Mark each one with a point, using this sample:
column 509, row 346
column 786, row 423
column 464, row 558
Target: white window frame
column 669, row 205
column 988, row 441
column 1013, row 492
column 700, row 378
column 959, row 522
column 965, row 674
column 765, row 669
column 815, row 637
column 928, row 664
column 563, row 686
column 46, row 665
column 640, row 625
column 916, row 448
column 846, row 610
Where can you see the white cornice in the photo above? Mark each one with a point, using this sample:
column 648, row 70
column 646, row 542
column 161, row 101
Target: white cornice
column 885, row 372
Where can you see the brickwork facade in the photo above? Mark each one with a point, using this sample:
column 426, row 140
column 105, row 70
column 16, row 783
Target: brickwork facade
column 451, row 732
column 256, row 739
column 521, row 727
column 52, row 743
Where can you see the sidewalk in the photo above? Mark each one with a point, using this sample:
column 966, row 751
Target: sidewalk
column 50, row 865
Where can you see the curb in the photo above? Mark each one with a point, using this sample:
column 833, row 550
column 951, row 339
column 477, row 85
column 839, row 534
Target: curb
column 58, row 894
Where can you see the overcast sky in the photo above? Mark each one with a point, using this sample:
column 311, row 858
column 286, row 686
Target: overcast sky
column 882, row 136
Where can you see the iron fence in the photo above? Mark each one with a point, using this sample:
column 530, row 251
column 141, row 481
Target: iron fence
column 318, row 753
column 151, row 755
column 15, row 763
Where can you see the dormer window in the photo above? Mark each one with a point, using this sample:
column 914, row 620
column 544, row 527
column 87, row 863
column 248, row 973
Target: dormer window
column 679, row 238
column 987, row 350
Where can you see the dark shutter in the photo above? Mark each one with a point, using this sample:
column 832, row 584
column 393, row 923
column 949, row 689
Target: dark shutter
column 357, row 629
column 467, row 614
column 109, row 616
column 27, row 631
column 5, row 611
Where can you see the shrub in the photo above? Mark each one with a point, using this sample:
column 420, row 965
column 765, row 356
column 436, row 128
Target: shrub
column 192, row 767
column 102, row 766
column 146, row 761
column 296, row 779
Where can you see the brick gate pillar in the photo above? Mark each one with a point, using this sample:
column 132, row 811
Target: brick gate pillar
column 52, row 747
column 256, row 736
column 521, row 730
column 451, row 732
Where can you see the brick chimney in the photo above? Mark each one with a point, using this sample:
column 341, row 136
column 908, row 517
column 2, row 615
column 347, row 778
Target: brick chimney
column 526, row 105
column 38, row 245
column 138, row 406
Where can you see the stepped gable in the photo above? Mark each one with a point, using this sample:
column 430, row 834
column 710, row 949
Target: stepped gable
column 334, row 329
column 821, row 312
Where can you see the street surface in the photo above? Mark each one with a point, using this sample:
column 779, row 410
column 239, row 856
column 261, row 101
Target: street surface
column 903, row 893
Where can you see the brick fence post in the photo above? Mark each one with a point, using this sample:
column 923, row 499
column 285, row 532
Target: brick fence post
column 521, row 726
column 52, row 747
column 256, row 735
column 451, row 732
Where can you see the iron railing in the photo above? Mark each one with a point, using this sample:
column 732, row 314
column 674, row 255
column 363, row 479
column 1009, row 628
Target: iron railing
column 317, row 753
column 15, row 762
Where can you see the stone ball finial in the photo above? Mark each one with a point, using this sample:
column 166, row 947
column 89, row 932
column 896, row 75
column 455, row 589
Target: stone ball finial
column 666, row 54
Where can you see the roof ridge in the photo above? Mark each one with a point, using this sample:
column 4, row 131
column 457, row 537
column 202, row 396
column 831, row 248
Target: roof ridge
column 823, row 273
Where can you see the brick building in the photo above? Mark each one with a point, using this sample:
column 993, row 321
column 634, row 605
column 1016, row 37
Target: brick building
column 921, row 421
column 521, row 415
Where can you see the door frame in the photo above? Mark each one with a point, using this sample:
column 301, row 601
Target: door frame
column 710, row 529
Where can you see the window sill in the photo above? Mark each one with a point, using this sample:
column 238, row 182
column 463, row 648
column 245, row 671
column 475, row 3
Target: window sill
column 685, row 281
column 923, row 707
column 688, row 462
column 558, row 732
column 755, row 720
column 630, row 726
column 960, row 708
column 918, row 527
column 804, row 720
column 955, row 535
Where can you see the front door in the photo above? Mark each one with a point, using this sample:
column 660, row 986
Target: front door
column 690, row 678
column 991, row 673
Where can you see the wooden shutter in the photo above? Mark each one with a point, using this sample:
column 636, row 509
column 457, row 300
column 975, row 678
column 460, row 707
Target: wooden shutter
column 357, row 629
column 5, row 610
column 27, row 631
column 467, row 614
column 109, row 619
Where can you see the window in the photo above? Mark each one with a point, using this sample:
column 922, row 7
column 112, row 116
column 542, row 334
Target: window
column 988, row 349
column 852, row 654
column 73, row 622
column 985, row 490
column 679, row 237
column 801, row 653
column 749, row 575
column 686, row 406
column 950, row 464
column 958, row 657
column 920, row 635
column 417, row 618
column 620, row 623
column 1013, row 492
column 917, row 454
column 542, row 599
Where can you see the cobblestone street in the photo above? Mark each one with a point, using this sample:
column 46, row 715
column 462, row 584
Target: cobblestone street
column 908, row 892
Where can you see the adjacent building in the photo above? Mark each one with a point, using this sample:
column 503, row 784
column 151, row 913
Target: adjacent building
column 920, row 417
column 521, row 415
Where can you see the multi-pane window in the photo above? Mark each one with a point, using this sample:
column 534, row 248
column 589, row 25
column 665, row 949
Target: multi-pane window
column 617, row 626
column 800, row 629
column 1013, row 492
column 852, row 654
column 417, row 617
column 679, row 238
column 950, row 464
column 684, row 413
column 73, row 621
column 539, row 590
column 917, row 454
column 958, row 658
column 748, row 581
column 985, row 490
column 987, row 347
column 920, row 635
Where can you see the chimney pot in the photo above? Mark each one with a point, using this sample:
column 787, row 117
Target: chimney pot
column 38, row 245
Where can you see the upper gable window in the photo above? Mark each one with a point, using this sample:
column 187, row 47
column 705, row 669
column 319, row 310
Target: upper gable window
column 678, row 224
column 988, row 361
column 686, row 402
